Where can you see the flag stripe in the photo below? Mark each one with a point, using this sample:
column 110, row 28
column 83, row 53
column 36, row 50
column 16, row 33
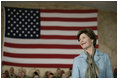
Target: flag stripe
column 64, row 56
column 58, row 32
column 38, row 60
column 39, row 65
column 68, row 19
column 59, row 37
column 43, row 41
column 67, row 28
column 42, row 51
column 68, row 11
column 57, row 23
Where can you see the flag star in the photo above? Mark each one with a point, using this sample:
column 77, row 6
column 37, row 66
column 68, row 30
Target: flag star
column 14, row 15
column 34, row 20
column 14, row 22
column 17, row 13
column 37, row 35
column 19, row 34
column 11, row 18
column 8, row 27
column 31, row 11
column 28, row 20
column 20, row 22
column 14, row 28
column 25, row 16
column 17, row 25
column 23, row 20
column 20, row 16
column 34, row 14
column 28, row 26
column 31, row 35
column 8, row 10
column 17, row 31
column 31, row 23
column 11, row 24
column 31, row 17
column 37, row 29
column 8, row 33
column 23, row 32
column 26, row 11
column 23, row 26
column 11, row 31
column 9, row 15
column 37, row 23
column 37, row 17
column 14, row 10
column 20, row 28
column 17, row 19
column 34, row 32
column 11, row 12
column 8, row 21
column 29, row 14
column 14, row 34
column 31, row 29
column 20, row 11
column 37, row 11
column 28, row 32
column 25, row 35
column 34, row 26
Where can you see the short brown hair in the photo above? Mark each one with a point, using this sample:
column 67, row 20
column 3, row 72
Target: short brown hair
column 89, row 33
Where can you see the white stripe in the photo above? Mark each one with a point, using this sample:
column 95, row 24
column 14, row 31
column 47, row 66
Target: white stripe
column 57, row 23
column 37, row 60
column 59, row 32
column 42, row 51
column 42, row 41
column 69, row 15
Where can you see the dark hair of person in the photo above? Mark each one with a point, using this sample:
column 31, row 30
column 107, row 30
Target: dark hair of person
column 89, row 33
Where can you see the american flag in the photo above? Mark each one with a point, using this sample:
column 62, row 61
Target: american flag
column 43, row 37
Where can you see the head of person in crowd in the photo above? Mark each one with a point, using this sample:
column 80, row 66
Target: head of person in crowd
column 3, row 75
column 36, row 75
column 51, row 75
column 58, row 73
column 64, row 75
column 7, row 74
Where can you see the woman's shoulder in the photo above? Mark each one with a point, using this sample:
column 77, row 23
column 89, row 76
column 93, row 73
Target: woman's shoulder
column 100, row 53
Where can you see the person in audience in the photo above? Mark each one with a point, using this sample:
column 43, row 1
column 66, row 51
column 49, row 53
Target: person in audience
column 64, row 75
column 36, row 75
column 70, row 73
column 3, row 75
column 91, row 63
column 51, row 75
column 7, row 74
column 115, row 73
column 12, row 74
column 58, row 73
column 47, row 73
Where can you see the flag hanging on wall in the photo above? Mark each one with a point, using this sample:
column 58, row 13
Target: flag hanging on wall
column 44, row 38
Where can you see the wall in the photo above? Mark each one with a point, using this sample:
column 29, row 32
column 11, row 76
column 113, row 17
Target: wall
column 107, row 29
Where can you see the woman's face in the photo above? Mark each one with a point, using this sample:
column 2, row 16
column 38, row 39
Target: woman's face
column 85, row 41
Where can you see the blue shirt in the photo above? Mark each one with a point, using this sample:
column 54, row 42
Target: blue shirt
column 102, row 61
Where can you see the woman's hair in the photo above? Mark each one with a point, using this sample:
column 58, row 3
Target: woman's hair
column 89, row 33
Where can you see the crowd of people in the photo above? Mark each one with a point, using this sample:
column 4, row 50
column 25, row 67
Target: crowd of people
column 59, row 73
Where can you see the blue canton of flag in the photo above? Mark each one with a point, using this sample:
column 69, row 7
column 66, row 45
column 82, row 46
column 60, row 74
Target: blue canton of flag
column 22, row 23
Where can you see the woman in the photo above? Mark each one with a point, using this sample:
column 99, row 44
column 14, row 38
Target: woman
column 91, row 63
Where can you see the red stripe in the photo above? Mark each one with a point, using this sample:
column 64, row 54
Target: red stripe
column 66, row 28
column 58, row 37
column 57, row 46
column 38, row 65
column 68, row 19
column 68, row 11
column 52, row 46
column 64, row 56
